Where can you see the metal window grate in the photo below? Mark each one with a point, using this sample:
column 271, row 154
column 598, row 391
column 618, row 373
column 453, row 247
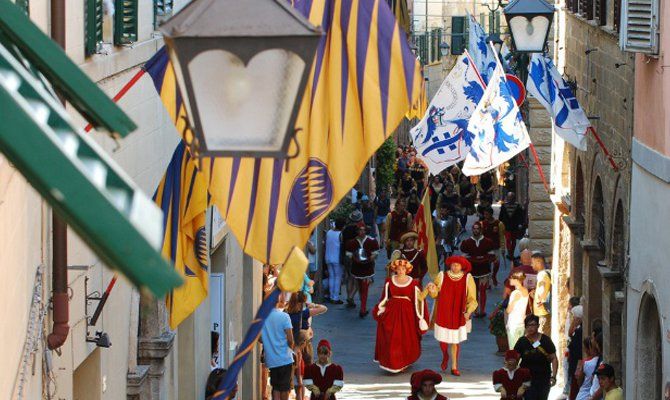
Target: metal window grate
column 125, row 22
column 23, row 5
column 617, row 15
column 93, row 26
column 600, row 11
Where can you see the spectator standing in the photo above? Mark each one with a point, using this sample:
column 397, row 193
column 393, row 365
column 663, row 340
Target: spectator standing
column 214, row 381
column 277, row 337
column 511, row 381
column 538, row 354
column 335, row 269
column 369, row 215
column 525, row 266
column 423, row 385
column 605, row 374
column 323, row 378
column 542, row 293
column 516, row 309
column 311, row 254
column 585, row 374
column 573, row 334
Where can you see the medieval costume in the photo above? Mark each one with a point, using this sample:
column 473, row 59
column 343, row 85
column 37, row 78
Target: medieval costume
column 417, row 380
column 398, row 222
column 362, row 251
column 323, row 378
column 512, row 215
column 401, row 320
column 478, row 250
column 412, row 255
column 494, row 230
column 456, row 300
column 508, row 381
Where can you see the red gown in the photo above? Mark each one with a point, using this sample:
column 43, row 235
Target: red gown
column 401, row 320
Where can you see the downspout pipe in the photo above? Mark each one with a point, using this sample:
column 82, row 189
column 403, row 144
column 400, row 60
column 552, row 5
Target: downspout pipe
column 60, row 297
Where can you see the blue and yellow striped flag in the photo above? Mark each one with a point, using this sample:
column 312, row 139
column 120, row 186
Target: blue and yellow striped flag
column 363, row 81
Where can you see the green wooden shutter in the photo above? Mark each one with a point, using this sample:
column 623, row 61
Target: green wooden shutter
column 457, row 35
column 93, row 25
column 125, row 22
column 162, row 11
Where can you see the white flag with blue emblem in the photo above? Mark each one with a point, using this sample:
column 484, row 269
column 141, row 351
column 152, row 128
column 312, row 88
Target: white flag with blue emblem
column 441, row 138
column 549, row 88
column 498, row 129
column 483, row 55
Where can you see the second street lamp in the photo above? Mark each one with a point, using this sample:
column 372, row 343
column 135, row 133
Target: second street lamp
column 242, row 68
column 529, row 22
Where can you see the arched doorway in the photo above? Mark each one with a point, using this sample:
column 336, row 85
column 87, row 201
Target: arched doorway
column 648, row 356
column 596, row 226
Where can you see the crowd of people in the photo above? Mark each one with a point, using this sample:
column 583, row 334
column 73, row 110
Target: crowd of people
column 469, row 266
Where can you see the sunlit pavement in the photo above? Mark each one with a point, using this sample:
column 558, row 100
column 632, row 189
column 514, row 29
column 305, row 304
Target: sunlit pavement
column 353, row 341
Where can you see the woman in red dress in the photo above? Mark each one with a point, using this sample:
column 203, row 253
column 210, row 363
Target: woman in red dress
column 456, row 300
column 401, row 320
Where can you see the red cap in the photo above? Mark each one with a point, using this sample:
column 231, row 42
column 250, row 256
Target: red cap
column 324, row 343
column 512, row 354
column 421, row 376
column 465, row 264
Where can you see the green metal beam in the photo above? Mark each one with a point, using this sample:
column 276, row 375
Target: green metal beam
column 63, row 74
column 79, row 180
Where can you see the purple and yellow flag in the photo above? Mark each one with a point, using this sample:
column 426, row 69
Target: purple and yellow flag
column 363, row 81
column 182, row 195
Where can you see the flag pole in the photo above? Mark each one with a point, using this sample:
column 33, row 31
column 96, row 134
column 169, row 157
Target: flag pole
column 539, row 167
column 602, row 146
column 123, row 91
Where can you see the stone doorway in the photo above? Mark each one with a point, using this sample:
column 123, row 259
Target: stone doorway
column 648, row 356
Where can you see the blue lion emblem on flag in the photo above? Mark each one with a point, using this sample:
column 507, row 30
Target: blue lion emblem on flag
column 311, row 194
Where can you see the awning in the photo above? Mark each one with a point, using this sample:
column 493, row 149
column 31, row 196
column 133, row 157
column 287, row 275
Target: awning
column 77, row 178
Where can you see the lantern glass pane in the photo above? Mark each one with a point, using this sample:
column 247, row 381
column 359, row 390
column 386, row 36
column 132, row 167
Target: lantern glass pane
column 245, row 107
column 529, row 34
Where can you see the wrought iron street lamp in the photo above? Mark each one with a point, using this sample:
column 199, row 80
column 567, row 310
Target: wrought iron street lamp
column 529, row 22
column 242, row 68
column 444, row 49
column 496, row 40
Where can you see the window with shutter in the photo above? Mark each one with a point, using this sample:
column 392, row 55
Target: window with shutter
column 162, row 11
column 125, row 22
column 457, row 35
column 93, row 26
column 600, row 11
column 639, row 26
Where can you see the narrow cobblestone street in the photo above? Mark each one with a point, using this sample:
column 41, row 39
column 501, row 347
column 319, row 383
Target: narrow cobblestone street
column 353, row 341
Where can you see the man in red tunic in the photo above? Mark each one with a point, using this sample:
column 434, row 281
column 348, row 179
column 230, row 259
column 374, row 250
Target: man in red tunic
column 414, row 256
column 423, row 385
column 511, row 381
column 363, row 251
column 478, row 249
column 323, row 378
column 494, row 230
column 398, row 222
column 456, row 300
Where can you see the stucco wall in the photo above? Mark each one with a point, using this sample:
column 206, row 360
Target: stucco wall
column 649, row 273
column 652, row 92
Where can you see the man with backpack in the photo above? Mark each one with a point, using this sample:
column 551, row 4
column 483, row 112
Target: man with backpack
column 542, row 293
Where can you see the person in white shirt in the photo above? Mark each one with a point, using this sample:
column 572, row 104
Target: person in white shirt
column 335, row 269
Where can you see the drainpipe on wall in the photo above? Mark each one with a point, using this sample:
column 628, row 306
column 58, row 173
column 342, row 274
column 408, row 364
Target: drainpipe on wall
column 60, row 299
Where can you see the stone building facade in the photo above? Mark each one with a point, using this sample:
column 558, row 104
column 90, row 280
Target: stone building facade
column 147, row 360
column 593, row 197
